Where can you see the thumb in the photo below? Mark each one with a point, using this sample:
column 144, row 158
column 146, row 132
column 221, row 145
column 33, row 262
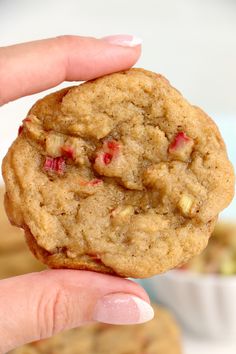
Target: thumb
column 38, row 305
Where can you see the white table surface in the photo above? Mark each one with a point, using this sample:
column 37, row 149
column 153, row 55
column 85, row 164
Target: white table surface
column 193, row 345
column 192, row 42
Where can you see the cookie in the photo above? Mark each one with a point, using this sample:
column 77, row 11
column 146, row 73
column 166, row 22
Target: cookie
column 11, row 238
column 118, row 175
column 15, row 258
column 159, row 336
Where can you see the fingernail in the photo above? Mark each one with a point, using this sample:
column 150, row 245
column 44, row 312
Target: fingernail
column 122, row 309
column 124, row 40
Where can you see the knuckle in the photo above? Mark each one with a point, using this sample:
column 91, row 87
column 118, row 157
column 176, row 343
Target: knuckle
column 61, row 310
column 54, row 311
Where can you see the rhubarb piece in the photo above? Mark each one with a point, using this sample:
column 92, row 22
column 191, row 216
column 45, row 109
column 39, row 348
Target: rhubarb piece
column 108, row 152
column 68, row 151
column 180, row 139
column 181, row 147
column 93, row 182
column 94, row 257
column 107, row 158
column 112, row 145
column 26, row 120
column 75, row 149
column 20, row 129
column 110, row 160
column 56, row 165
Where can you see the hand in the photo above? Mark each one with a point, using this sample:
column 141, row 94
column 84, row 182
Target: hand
column 38, row 305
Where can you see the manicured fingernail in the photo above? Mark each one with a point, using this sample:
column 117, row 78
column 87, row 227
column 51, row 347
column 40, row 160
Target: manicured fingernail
column 124, row 40
column 122, row 309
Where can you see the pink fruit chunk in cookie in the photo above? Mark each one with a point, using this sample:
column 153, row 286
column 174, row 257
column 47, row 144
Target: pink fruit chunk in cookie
column 68, row 151
column 94, row 256
column 108, row 152
column 56, row 165
column 107, row 158
column 93, row 182
column 27, row 119
column 181, row 147
column 112, row 145
column 20, row 129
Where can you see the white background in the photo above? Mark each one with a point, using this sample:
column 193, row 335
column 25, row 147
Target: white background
column 192, row 42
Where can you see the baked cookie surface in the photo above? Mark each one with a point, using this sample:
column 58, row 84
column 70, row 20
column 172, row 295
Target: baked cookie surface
column 15, row 257
column 159, row 336
column 11, row 238
column 118, row 175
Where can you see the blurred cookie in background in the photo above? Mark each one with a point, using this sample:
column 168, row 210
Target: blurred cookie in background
column 17, row 263
column 220, row 255
column 15, row 257
column 159, row 336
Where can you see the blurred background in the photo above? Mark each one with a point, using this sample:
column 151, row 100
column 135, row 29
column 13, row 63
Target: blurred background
column 191, row 42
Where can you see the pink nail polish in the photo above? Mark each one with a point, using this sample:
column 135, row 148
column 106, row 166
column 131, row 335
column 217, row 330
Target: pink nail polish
column 122, row 309
column 124, row 40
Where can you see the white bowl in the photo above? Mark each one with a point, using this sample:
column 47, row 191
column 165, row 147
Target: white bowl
column 204, row 304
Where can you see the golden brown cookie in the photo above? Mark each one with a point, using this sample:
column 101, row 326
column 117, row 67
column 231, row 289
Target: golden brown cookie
column 118, row 175
column 15, row 258
column 159, row 336
column 11, row 238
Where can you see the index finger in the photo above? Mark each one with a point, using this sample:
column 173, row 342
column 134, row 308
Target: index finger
column 36, row 66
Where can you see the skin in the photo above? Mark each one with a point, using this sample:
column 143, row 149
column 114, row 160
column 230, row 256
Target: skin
column 54, row 300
